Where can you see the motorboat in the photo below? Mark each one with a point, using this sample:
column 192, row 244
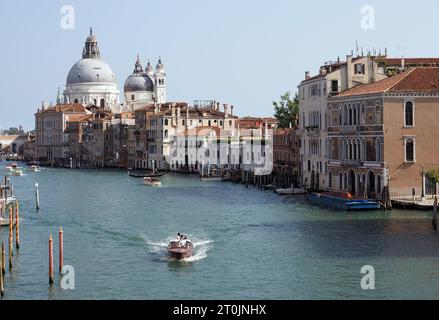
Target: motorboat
column 290, row 191
column 11, row 167
column 180, row 249
column 150, row 181
column 34, row 168
column 17, row 172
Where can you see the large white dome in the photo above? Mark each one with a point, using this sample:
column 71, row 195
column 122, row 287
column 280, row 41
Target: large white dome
column 91, row 70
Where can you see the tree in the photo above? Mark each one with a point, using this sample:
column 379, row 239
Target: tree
column 433, row 175
column 286, row 110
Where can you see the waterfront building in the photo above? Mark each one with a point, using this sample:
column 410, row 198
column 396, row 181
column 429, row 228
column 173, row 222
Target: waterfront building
column 12, row 144
column 334, row 78
column 117, row 139
column 94, row 147
column 314, row 91
column 286, row 152
column 157, row 124
column 385, row 134
column 52, row 144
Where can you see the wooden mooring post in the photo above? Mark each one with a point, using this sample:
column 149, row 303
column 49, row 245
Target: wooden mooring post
column 435, row 214
column 3, row 258
column 1, row 280
column 61, row 249
column 50, row 259
column 11, row 223
column 17, row 226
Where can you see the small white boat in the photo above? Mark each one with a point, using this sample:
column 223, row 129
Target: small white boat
column 17, row 172
column 11, row 167
column 34, row 168
column 289, row 191
column 150, row 181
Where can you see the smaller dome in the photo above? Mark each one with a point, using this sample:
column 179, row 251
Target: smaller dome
column 148, row 70
column 138, row 82
column 160, row 68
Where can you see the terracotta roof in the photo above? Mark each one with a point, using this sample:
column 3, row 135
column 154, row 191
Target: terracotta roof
column 79, row 117
column 412, row 61
column 65, row 108
column 418, row 79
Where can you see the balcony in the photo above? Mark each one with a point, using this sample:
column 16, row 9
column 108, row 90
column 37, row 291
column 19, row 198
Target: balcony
column 313, row 131
column 351, row 163
column 351, row 130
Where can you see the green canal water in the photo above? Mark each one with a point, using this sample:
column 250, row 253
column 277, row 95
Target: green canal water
column 249, row 244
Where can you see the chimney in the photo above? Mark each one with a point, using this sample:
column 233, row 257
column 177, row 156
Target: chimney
column 231, row 110
column 349, row 70
column 226, row 110
column 402, row 63
column 307, row 75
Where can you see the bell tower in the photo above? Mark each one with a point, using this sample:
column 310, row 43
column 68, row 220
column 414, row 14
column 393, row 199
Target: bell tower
column 160, row 83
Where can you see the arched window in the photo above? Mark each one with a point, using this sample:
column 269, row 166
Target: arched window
column 409, row 114
column 132, row 97
column 166, row 133
column 76, row 100
column 166, row 122
column 409, row 150
column 102, row 103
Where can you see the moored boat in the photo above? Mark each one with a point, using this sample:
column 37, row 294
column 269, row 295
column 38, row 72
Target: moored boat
column 211, row 178
column 150, row 181
column 180, row 249
column 289, row 191
column 342, row 201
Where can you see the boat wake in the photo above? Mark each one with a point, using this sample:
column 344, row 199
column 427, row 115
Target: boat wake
column 201, row 248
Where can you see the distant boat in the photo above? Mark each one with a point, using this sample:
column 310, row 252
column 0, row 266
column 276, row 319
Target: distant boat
column 34, row 168
column 150, row 181
column 17, row 172
column 180, row 249
column 289, row 191
column 143, row 174
column 12, row 167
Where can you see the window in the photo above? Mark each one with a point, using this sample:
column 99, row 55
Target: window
column 409, row 150
column 409, row 114
column 334, row 86
column 132, row 97
column 360, row 68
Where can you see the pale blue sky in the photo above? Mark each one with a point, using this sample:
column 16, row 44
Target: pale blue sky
column 243, row 52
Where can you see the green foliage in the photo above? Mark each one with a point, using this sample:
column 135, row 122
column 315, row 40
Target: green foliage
column 433, row 175
column 286, row 110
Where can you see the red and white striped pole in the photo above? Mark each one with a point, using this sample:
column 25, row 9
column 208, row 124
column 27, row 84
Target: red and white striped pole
column 61, row 249
column 50, row 259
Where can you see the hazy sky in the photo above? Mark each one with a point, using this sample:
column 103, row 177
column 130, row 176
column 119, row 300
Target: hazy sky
column 245, row 53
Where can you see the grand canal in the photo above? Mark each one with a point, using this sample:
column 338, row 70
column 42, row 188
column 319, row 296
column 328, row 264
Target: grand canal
column 249, row 244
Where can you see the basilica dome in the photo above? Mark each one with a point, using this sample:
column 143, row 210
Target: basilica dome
column 91, row 70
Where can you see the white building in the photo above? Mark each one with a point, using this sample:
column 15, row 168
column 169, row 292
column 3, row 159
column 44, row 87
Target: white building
column 91, row 80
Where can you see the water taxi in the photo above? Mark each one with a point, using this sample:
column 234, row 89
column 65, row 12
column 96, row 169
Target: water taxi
column 180, row 249
column 150, row 181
